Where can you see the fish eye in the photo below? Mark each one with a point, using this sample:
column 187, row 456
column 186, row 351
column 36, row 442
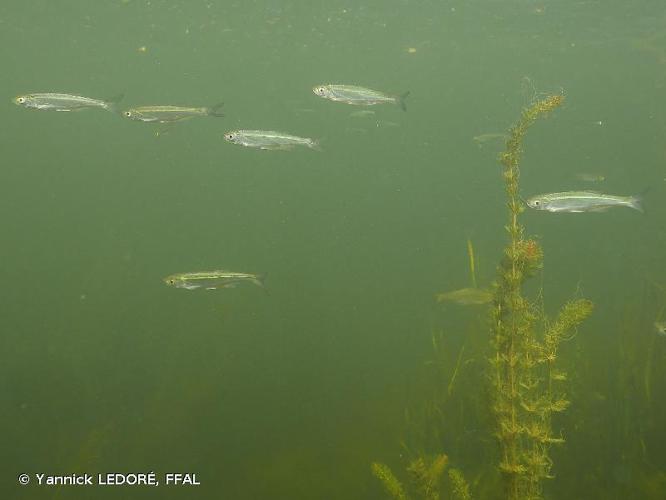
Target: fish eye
column 172, row 281
column 319, row 90
column 229, row 136
column 20, row 100
column 537, row 203
column 128, row 114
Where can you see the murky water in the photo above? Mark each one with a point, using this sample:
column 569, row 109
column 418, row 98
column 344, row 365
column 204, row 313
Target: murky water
column 294, row 393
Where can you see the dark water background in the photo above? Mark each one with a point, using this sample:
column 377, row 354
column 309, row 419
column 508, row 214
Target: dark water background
column 292, row 394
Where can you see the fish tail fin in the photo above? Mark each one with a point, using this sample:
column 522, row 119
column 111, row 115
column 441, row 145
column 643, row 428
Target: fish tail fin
column 315, row 144
column 400, row 100
column 636, row 202
column 260, row 281
column 215, row 110
column 112, row 103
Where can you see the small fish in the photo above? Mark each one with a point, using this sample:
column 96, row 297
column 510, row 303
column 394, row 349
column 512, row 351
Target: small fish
column 65, row 102
column 483, row 139
column 587, row 177
column 582, row 201
column 361, row 113
column 359, row 96
column 269, row 139
column 170, row 114
column 212, row 280
column 466, row 296
column 660, row 327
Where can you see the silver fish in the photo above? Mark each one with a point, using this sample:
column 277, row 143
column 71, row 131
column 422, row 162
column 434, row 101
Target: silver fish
column 466, row 296
column 589, row 177
column 170, row 114
column 362, row 113
column 213, row 280
column 269, row 139
column 359, row 96
column 582, row 201
column 65, row 102
column 483, row 139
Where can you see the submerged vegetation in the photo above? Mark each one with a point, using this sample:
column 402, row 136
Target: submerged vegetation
column 527, row 385
column 426, row 478
column 526, row 382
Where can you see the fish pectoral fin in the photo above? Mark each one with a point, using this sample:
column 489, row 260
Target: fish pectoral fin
column 211, row 288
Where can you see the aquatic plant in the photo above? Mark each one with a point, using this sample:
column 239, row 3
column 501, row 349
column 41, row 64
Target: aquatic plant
column 459, row 485
column 433, row 422
column 426, row 475
column 524, row 376
column 468, row 296
column 393, row 487
column 528, row 387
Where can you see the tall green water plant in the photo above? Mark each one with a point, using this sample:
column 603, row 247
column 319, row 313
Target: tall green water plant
column 527, row 384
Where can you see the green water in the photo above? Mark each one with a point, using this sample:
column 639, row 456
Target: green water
column 294, row 393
